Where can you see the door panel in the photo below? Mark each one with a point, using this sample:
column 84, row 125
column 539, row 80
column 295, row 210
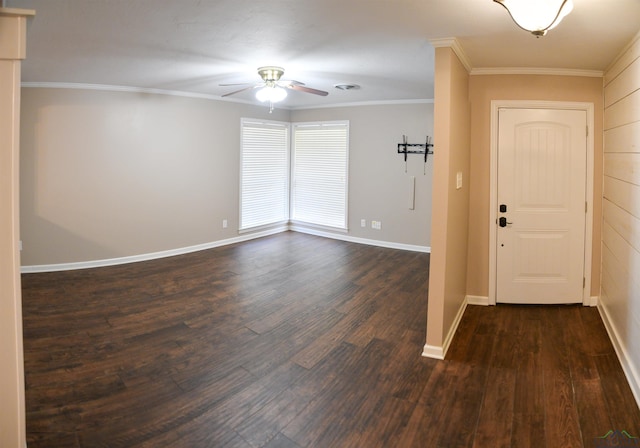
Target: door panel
column 542, row 186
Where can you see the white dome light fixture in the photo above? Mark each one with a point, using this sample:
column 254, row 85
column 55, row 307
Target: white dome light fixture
column 272, row 94
column 537, row 16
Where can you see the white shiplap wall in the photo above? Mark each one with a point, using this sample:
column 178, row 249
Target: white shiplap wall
column 620, row 294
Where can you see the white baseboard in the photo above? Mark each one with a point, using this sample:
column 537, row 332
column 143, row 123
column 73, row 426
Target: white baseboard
column 433, row 351
column 478, row 300
column 243, row 237
column 352, row 239
column 150, row 256
column 630, row 370
column 484, row 301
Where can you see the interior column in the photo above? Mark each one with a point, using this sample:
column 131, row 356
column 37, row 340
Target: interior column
column 13, row 24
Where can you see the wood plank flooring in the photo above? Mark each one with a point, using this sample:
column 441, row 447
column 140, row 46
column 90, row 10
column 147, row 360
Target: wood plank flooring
column 298, row 341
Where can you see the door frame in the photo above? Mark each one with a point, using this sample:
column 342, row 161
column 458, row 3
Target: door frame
column 496, row 105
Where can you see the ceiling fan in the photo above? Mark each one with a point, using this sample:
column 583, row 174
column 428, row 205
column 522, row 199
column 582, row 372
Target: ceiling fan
column 272, row 88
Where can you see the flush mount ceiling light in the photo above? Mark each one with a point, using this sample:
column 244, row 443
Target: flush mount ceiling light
column 537, row 16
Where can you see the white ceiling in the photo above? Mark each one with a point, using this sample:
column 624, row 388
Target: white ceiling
column 381, row 45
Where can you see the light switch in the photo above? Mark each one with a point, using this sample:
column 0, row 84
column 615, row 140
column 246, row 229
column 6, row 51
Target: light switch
column 458, row 180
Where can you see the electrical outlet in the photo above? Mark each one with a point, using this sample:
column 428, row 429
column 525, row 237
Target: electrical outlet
column 224, row 223
column 363, row 223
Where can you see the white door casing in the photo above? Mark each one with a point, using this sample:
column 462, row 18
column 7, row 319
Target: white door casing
column 541, row 165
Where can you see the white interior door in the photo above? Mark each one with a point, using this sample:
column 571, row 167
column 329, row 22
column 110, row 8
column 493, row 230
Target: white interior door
column 542, row 159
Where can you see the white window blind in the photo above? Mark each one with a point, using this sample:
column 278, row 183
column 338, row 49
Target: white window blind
column 264, row 174
column 320, row 168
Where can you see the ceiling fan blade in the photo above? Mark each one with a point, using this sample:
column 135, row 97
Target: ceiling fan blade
column 291, row 82
column 238, row 91
column 308, row 90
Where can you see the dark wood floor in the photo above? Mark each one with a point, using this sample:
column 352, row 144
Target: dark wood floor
column 299, row 341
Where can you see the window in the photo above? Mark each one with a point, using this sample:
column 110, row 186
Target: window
column 320, row 168
column 264, row 173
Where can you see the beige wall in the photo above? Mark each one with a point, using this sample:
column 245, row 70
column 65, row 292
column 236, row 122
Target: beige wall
column 450, row 218
column 378, row 184
column 620, row 293
column 482, row 90
column 12, row 401
column 115, row 174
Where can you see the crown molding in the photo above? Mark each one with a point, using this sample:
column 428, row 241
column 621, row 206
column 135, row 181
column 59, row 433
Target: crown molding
column 113, row 88
column 537, row 71
column 366, row 103
column 454, row 44
column 16, row 12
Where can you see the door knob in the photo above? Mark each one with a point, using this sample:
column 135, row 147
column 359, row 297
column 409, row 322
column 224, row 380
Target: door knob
column 503, row 222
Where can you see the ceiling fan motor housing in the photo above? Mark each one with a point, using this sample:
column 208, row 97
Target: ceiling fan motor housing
column 270, row 73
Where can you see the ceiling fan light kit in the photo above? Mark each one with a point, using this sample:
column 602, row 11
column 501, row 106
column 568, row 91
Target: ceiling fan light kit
column 537, row 16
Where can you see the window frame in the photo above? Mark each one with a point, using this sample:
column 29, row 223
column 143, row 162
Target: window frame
column 344, row 225
column 286, row 126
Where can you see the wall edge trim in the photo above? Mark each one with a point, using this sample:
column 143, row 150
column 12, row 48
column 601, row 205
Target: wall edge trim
column 630, row 371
